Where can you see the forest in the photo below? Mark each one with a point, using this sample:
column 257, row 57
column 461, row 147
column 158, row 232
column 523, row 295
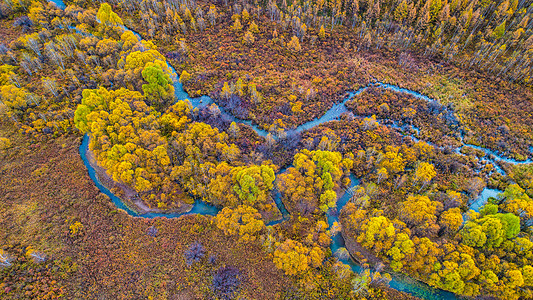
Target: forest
column 201, row 149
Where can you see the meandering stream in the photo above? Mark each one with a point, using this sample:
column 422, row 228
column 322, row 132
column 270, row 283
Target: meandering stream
column 399, row 282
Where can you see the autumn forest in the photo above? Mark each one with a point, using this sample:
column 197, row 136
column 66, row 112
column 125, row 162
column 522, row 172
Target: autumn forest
column 245, row 149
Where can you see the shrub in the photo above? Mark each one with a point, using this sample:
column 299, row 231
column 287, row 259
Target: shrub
column 24, row 22
column 4, row 143
column 226, row 282
column 152, row 231
column 195, row 253
column 75, row 228
column 248, row 38
column 176, row 55
column 212, row 259
column 294, row 44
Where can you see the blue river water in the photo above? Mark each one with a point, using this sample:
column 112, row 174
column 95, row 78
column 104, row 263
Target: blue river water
column 483, row 197
column 59, row 3
column 399, row 282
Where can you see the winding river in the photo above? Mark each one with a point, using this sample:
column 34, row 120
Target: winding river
column 399, row 282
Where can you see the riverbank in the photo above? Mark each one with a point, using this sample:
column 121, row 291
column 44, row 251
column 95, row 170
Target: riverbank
column 128, row 200
column 126, row 193
column 358, row 252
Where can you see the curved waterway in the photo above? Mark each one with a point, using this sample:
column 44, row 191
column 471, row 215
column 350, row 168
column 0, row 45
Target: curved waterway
column 199, row 207
column 399, row 282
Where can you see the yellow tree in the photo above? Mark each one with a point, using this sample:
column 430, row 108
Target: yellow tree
column 14, row 98
column 254, row 28
column 248, row 38
column 108, row 20
column 237, row 26
column 393, row 160
column 185, row 76
column 424, row 173
column 294, row 44
column 129, row 40
column 292, row 257
column 420, row 212
column 107, row 17
column 451, row 220
column 244, row 221
column 376, row 233
column 245, row 15
column 322, row 32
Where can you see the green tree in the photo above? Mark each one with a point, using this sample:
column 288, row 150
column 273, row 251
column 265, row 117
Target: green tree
column 494, row 230
column 246, row 188
column 473, row 235
column 159, row 89
column 510, row 223
column 252, row 184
